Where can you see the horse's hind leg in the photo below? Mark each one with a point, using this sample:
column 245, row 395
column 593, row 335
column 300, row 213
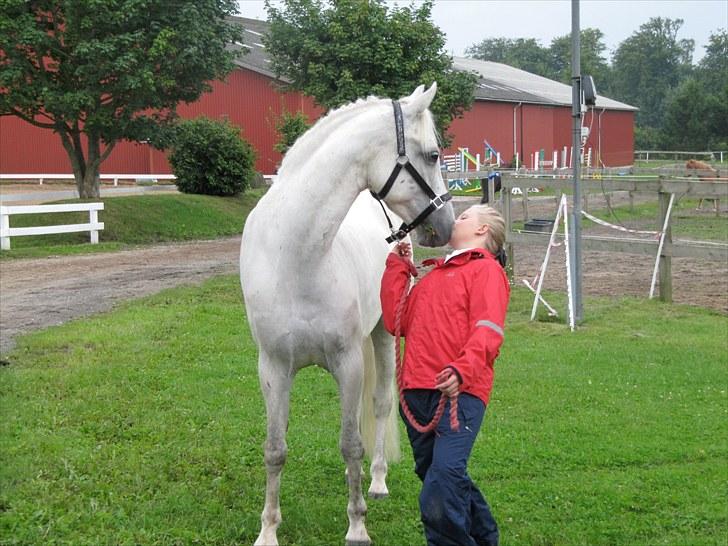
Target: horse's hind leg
column 275, row 382
column 349, row 373
column 386, row 423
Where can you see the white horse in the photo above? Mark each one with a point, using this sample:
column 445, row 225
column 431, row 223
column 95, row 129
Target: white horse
column 311, row 262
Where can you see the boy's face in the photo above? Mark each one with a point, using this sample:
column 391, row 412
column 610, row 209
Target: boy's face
column 467, row 230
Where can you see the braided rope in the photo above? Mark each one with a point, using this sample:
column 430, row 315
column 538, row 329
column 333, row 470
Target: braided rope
column 454, row 424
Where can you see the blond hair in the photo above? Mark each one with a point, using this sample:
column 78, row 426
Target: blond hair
column 496, row 236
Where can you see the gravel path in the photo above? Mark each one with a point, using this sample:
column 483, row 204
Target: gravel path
column 38, row 293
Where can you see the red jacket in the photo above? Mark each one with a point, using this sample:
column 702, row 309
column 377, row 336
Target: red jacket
column 453, row 317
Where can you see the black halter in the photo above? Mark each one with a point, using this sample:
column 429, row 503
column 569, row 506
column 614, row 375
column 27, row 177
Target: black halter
column 403, row 162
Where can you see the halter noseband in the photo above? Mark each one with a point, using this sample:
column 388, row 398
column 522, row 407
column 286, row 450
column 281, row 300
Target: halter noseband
column 403, row 162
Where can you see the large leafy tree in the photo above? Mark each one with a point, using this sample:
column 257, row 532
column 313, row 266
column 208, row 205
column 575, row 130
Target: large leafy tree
column 524, row 53
column 107, row 70
column 713, row 74
column 648, row 65
column 592, row 60
column 337, row 51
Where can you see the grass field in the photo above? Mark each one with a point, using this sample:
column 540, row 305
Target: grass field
column 138, row 220
column 145, row 426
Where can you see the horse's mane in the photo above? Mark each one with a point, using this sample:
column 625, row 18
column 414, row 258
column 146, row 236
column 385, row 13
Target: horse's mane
column 300, row 150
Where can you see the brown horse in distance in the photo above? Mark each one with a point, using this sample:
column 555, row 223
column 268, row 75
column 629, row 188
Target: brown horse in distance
column 704, row 172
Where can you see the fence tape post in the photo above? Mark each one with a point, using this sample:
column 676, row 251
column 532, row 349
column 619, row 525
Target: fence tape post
column 659, row 247
column 544, row 265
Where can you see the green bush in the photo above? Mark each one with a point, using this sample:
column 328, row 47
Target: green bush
column 289, row 127
column 209, row 157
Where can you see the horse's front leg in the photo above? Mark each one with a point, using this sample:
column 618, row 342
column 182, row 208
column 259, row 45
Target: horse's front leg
column 349, row 373
column 386, row 427
column 275, row 382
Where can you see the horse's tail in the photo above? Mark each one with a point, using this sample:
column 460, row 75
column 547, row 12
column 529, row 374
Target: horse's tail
column 368, row 422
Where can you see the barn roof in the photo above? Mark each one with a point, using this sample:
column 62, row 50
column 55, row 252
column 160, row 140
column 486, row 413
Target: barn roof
column 496, row 81
column 256, row 57
column 500, row 82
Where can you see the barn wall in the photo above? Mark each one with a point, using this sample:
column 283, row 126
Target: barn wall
column 251, row 101
column 247, row 99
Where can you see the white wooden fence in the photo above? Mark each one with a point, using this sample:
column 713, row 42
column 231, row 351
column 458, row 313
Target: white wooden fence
column 115, row 177
column 94, row 226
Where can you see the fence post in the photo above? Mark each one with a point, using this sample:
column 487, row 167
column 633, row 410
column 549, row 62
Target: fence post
column 524, row 195
column 506, row 195
column 665, row 259
column 94, row 219
column 5, row 228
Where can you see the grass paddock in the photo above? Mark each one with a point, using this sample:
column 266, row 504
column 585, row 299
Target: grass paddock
column 145, row 425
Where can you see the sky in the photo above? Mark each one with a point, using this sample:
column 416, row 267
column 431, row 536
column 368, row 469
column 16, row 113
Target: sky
column 466, row 22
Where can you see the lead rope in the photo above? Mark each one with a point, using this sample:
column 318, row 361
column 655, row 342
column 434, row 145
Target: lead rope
column 454, row 424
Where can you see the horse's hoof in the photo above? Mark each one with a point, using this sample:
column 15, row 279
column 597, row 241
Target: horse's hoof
column 378, row 496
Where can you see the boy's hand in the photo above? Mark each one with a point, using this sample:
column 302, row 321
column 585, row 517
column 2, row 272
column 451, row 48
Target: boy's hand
column 403, row 249
column 448, row 382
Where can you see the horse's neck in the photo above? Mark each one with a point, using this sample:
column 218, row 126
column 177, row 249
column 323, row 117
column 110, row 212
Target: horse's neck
column 315, row 191
column 313, row 205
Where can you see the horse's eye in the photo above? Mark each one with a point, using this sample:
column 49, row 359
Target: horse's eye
column 433, row 156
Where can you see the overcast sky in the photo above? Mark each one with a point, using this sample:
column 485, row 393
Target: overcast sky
column 466, row 22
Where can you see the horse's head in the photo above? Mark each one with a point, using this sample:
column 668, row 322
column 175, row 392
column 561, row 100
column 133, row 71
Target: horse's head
column 399, row 162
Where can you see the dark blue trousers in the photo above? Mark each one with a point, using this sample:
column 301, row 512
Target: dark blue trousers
column 454, row 511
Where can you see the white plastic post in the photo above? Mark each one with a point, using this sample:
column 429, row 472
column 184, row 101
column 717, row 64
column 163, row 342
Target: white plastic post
column 497, row 159
column 516, row 160
column 544, row 265
column 93, row 218
column 4, row 229
column 569, row 292
column 571, row 157
column 659, row 246
column 564, row 154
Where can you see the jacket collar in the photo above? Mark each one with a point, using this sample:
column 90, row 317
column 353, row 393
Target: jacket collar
column 462, row 258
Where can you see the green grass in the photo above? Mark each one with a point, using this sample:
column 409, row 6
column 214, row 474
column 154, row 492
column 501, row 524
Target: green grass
column 145, row 426
column 137, row 220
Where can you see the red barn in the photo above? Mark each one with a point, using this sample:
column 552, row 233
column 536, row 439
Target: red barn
column 514, row 111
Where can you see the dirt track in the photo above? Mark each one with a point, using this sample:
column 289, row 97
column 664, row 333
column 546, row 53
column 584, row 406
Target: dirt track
column 38, row 293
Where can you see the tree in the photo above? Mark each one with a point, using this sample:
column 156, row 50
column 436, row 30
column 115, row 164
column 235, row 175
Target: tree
column 524, row 53
column 108, row 69
column 687, row 112
column 592, row 60
column 713, row 74
column 338, row 51
column 648, row 64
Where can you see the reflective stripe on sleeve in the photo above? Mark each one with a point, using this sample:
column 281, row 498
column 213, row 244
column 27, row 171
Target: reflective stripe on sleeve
column 489, row 324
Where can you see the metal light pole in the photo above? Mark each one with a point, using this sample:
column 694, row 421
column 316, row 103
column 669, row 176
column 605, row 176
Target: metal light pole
column 576, row 160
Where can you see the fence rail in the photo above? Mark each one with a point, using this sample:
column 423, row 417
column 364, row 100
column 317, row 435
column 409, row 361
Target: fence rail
column 662, row 186
column 93, row 225
column 639, row 154
column 115, row 177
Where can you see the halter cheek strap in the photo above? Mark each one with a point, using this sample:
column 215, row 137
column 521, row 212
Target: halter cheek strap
column 403, row 162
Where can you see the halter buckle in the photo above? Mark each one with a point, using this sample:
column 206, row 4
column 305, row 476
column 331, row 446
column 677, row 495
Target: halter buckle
column 402, row 160
column 438, row 202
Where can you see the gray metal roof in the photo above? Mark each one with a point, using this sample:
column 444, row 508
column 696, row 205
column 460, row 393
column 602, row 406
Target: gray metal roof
column 496, row 81
column 257, row 58
column 500, row 82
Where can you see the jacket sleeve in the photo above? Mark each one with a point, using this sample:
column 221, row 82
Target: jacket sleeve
column 395, row 280
column 488, row 295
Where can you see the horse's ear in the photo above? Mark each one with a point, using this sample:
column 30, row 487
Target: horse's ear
column 418, row 103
